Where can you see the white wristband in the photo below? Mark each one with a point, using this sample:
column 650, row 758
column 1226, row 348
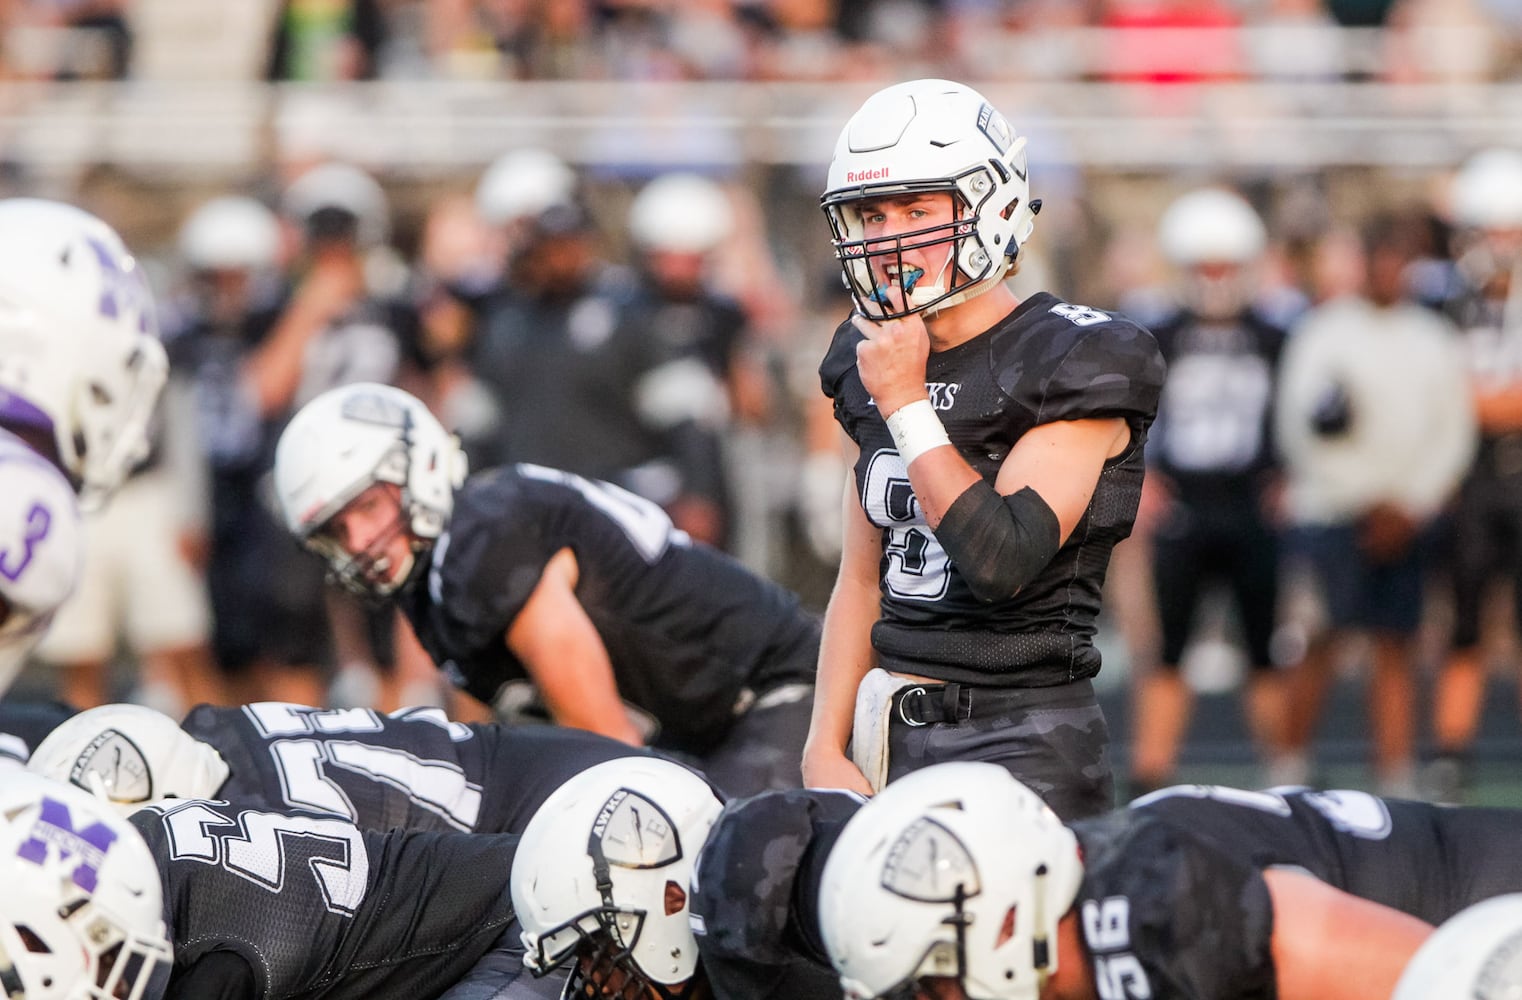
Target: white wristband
column 916, row 429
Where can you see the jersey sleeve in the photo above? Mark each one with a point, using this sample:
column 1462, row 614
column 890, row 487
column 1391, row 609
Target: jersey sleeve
column 1197, row 924
column 840, row 358
column 494, row 559
column 1113, row 369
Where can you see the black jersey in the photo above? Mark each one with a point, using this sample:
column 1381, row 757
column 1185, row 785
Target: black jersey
column 1048, row 361
column 1426, row 860
column 288, row 904
column 755, row 899
column 1212, row 436
column 1173, row 900
column 1168, row 915
column 413, row 769
column 688, row 628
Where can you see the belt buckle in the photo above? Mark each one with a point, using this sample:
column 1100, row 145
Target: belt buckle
column 904, row 696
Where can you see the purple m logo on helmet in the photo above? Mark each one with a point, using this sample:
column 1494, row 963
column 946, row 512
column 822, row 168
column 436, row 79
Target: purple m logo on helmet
column 55, row 826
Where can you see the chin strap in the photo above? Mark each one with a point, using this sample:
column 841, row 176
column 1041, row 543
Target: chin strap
column 1041, row 950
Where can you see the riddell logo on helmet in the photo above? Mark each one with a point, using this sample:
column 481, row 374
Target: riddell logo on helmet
column 875, row 174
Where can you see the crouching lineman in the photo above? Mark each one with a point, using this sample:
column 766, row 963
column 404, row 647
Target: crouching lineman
column 633, row 877
column 937, row 893
column 414, row 768
column 528, row 582
column 81, row 368
column 281, row 905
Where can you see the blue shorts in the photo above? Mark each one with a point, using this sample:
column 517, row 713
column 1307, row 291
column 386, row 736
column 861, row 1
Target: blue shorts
column 1357, row 594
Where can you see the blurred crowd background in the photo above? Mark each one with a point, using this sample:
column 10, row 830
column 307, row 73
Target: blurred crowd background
column 587, row 234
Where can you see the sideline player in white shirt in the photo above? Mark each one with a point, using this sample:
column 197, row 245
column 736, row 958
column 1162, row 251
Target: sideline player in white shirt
column 81, row 368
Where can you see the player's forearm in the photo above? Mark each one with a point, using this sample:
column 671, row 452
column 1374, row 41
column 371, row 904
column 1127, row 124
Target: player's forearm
column 845, row 656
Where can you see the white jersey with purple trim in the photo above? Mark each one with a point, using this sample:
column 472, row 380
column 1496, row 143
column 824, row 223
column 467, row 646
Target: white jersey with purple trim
column 41, row 549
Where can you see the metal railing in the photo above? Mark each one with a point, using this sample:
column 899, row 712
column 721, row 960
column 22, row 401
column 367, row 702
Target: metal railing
column 439, row 128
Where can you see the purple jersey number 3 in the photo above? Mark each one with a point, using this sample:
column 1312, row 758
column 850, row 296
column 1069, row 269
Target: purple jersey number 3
column 38, row 521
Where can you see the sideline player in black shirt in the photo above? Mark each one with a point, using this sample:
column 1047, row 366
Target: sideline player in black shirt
column 1213, row 478
column 997, row 448
column 531, row 582
column 1194, row 893
column 412, row 769
column 290, row 904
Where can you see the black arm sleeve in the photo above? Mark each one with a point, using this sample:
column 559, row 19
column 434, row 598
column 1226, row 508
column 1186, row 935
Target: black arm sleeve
column 999, row 543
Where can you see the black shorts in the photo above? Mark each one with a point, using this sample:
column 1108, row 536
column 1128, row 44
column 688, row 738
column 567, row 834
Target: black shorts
column 1487, row 549
column 1054, row 739
column 1189, row 553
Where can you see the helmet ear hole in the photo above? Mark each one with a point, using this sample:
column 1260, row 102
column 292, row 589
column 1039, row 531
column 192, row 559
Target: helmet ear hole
column 676, row 898
column 1007, row 928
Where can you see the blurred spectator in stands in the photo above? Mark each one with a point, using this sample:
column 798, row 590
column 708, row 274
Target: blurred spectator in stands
column 1213, row 480
column 1441, row 41
column 1376, row 431
column 1172, row 41
column 1296, row 40
column 67, row 39
column 318, row 41
column 1485, row 301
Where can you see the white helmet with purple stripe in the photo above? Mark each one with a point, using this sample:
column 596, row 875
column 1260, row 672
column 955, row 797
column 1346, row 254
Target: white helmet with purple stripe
column 81, row 365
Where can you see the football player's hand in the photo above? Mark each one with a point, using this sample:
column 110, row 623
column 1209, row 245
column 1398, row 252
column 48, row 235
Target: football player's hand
column 892, row 359
column 832, row 769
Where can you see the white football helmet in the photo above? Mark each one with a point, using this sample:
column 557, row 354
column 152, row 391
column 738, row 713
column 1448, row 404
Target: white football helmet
column 1487, row 190
column 81, row 917
column 1487, row 213
column 230, row 233
column 1475, row 954
column 80, row 358
column 130, row 756
column 1211, row 225
column 956, row 870
column 603, row 870
column 344, row 187
column 926, row 136
column 347, row 440
column 680, row 213
column 522, row 183
column 1214, row 237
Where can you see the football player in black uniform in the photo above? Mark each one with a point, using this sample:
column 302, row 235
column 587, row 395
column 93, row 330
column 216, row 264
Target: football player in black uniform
column 290, row 904
column 997, row 447
column 528, row 581
column 412, row 769
column 1213, row 477
column 953, row 889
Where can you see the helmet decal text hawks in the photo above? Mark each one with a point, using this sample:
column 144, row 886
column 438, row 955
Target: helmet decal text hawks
column 929, row 864
column 635, row 832
column 997, row 128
